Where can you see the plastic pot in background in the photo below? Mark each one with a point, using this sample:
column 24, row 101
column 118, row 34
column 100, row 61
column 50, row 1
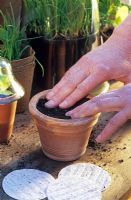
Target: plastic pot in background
column 7, row 117
column 23, row 70
column 5, row 6
column 57, row 56
column 10, row 92
column 61, row 139
column 105, row 33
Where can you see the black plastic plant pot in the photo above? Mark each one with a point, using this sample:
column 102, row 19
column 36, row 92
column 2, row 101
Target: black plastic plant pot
column 10, row 92
column 106, row 33
column 57, row 56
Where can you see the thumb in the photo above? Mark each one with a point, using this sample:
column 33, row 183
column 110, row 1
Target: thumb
column 114, row 124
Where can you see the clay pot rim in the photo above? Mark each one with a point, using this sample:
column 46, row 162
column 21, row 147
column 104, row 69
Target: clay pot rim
column 32, row 53
column 71, row 39
column 40, row 116
column 66, row 38
column 29, row 66
column 5, row 99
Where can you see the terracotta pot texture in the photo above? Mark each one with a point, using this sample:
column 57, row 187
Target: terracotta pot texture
column 23, row 71
column 7, row 116
column 62, row 140
column 16, row 5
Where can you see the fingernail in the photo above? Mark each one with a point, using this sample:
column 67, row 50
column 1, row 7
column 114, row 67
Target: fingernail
column 63, row 104
column 50, row 104
column 99, row 139
column 74, row 116
column 50, row 95
column 68, row 113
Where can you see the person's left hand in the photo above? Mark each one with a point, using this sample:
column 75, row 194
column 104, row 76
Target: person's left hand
column 117, row 100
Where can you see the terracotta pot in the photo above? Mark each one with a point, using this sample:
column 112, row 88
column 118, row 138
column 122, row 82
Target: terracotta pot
column 23, row 71
column 6, row 9
column 62, row 140
column 7, row 116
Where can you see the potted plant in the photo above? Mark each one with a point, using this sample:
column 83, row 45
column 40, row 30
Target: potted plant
column 63, row 31
column 62, row 138
column 112, row 13
column 10, row 92
column 15, row 48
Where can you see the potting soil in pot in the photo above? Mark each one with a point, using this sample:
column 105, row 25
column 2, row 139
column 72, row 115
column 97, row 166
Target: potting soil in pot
column 57, row 112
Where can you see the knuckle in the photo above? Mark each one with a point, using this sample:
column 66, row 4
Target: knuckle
column 127, row 114
column 73, row 98
column 70, row 79
column 105, row 70
column 82, row 87
column 98, row 102
column 68, row 75
column 56, row 98
column 112, row 122
column 70, row 82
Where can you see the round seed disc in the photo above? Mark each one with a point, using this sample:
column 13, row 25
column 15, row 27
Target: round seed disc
column 27, row 184
column 73, row 188
column 90, row 171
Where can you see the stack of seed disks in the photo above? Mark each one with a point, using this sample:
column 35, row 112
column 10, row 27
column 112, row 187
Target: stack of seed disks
column 81, row 181
column 27, row 184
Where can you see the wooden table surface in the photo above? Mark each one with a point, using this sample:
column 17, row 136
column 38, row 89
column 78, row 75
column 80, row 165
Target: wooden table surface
column 24, row 151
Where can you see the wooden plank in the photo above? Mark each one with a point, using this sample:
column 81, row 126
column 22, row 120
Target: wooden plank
column 126, row 196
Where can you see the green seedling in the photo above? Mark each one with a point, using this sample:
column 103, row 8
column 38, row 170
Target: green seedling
column 59, row 18
column 4, row 83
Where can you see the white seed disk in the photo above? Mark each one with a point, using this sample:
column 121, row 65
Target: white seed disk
column 90, row 171
column 73, row 188
column 27, row 184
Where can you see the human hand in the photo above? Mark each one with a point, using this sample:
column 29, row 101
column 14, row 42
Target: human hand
column 112, row 60
column 117, row 100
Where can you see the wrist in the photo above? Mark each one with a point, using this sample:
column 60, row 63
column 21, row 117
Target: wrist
column 124, row 29
column 121, row 39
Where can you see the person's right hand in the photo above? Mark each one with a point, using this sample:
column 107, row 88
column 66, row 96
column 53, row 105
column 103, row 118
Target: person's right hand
column 112, row 60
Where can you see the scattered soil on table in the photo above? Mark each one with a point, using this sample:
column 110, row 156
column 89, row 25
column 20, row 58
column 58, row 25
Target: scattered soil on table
column 121, row 161
column 57, row 112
